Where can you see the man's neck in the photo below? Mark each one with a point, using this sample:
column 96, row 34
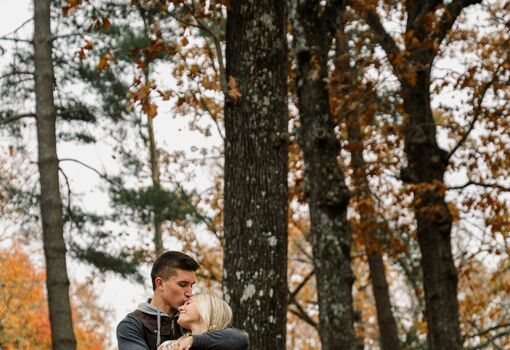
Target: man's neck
column 160, row 304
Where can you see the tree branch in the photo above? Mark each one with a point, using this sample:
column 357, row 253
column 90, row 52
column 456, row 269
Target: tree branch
column 490, row 340
column 7, row 75
column 101, row 175
column 302, row 284
column 484, row 332
column 384, row 39
column 476, row 112
column 479, row 184
column 301, row 313
column 19, row 27
column 452, row 11
column 14, row 118
column 16, row 40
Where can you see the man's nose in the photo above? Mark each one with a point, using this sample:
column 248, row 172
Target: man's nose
column 188, row 293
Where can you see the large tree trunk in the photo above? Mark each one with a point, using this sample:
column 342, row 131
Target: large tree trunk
column 57, row 282
column 325, row 187
column 344, row 83
column 255, row 214
column 426, row 161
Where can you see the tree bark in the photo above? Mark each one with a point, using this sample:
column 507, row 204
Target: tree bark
column 57, row 281
column 325, row 187
column 255, row 209
column 344, row 78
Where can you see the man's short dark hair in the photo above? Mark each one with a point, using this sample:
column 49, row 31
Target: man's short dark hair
column 166, row 264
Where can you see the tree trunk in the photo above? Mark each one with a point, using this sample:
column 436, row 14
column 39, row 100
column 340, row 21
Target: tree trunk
column 57, row 281
column 388, row 329
column 425, row 172
column 325, row 187
column 426, row 29
column 153, row 148
column 344, row 78
column 255, row 209
column 156, row 181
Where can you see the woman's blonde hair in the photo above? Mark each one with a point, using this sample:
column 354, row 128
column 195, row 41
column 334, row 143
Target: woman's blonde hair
column 214, row 311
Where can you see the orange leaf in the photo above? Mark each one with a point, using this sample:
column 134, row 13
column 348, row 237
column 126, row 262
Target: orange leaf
column 103, row 62
column 150, row 109
column 106, row 24
column 88, row 45
column 233, row 90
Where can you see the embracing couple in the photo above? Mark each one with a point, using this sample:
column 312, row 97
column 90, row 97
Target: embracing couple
column 174, row 319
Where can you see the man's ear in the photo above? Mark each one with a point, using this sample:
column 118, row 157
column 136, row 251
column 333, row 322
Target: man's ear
column 159, row 282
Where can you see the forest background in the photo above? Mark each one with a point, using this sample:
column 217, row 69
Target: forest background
column 391, row 116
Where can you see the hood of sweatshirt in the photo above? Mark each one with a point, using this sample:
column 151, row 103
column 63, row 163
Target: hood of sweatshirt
column 148, row 308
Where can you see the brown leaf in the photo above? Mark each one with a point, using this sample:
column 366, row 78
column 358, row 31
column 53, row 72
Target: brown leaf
column 106, row 24
column 233, row 90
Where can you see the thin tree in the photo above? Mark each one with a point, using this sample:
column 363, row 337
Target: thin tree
column 427, row 25
column 57, row 281
column 345, row 82
column 255, row 214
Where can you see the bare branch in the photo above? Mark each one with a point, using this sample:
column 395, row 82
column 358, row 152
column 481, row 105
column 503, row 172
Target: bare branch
column 16, row 40
column 7, row 75
column 302, row 284
column 479, row 184
column 490, row 340
column 101, row 175
column 301, row 313
column 19, row 27
column 484, row 332
column 14, row 118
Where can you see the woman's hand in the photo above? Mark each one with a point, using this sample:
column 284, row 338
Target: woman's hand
column 166, row 345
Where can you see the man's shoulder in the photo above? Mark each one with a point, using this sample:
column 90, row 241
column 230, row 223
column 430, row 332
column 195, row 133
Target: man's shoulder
column 129, row 323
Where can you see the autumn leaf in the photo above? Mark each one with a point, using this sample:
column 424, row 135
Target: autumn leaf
column 165, row 95
column 106, row 24
column 140, row 64
column 103, row 63
column 151, row 109
column 88, row 45
column 233, row 90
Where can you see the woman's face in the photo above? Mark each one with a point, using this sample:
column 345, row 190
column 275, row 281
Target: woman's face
column 188, row 315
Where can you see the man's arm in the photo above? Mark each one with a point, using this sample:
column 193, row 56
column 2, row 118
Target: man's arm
column 130, row 335
column 224, row 339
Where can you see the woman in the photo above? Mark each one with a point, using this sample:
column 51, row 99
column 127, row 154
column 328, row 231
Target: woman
column 200, row 314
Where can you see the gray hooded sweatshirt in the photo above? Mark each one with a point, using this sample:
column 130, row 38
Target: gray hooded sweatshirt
column 130, row 332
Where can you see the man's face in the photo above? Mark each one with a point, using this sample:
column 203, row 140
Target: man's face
column 177, row 288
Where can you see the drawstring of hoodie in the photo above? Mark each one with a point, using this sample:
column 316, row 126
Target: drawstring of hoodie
column 158, row 339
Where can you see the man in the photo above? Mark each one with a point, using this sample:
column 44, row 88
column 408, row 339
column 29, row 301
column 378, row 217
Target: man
column 153, row 322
